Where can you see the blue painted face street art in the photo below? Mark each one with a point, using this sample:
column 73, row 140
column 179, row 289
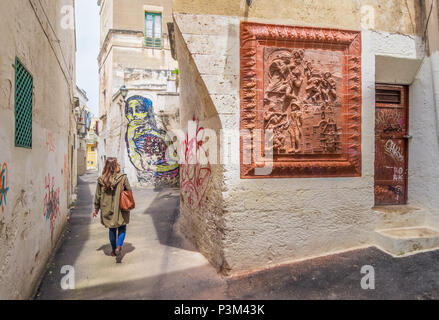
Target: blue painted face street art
column 149, row 148
column 4, row 186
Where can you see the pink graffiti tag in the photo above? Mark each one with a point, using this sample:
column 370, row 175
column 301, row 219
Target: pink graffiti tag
column 51, row 203
column 195, row 177
column 4, row 187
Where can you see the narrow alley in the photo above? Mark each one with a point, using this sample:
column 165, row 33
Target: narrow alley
column 157, row 263
column 275, row 151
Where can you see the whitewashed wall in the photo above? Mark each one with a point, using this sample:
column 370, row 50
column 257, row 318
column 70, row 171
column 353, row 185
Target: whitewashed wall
column 268, row 221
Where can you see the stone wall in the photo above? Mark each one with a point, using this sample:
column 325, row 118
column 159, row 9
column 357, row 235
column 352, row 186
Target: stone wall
column 201, row 182
column 258, row 222
column 425, row 122
column 82, row 157
column 35, row 183
column 393, row 16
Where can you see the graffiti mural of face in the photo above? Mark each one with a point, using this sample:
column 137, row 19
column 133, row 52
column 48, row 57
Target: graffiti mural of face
column 140, row 109
column 137, row 110
column 148, row 146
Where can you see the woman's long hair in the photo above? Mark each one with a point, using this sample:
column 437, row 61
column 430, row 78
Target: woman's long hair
column 109, row 171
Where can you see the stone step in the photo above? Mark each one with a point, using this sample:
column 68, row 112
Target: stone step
column 405, row 241
column 400, row 216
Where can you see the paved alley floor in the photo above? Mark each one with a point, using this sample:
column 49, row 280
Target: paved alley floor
column 157, row 263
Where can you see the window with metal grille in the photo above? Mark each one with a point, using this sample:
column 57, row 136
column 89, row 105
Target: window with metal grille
column 153, row 30
column 23, row 106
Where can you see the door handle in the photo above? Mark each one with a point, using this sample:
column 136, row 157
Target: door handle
column 407, row 136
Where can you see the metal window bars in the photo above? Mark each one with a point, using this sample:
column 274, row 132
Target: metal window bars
column 23, row 106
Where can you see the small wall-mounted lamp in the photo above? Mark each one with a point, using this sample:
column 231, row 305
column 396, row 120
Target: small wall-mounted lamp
column 123, row 92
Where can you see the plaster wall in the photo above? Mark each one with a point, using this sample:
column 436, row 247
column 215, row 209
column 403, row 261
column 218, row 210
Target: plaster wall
column 260, row 222
column 394, row 16
column 424, row 148
column 431, row 66
column 27, row 233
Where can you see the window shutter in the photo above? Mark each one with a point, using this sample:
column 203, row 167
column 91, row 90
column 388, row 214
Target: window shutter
column 388, row 96
column 153, row 30
column 23, row 106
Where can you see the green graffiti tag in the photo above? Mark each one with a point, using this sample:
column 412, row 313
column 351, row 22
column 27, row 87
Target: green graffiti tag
column 4, row 187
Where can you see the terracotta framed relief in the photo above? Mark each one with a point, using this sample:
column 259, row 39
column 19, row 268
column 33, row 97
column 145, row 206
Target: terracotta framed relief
column 303, row 86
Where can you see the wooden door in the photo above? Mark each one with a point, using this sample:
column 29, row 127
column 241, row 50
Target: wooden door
column 391, row 144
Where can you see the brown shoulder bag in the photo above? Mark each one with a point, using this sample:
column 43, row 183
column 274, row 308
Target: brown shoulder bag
column 126, row 198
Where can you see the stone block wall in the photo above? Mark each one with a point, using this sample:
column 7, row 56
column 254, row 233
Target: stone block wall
column 253, row 223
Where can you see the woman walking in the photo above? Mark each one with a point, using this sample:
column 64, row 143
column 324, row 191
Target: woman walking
column 107, row 199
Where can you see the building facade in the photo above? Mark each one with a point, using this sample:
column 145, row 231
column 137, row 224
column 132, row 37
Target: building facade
column 37, row 132
column 92, row 145
column 136, row 57
column 83, row 122
column 325, row 121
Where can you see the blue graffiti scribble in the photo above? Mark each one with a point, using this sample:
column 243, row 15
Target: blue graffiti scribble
column 4, row 189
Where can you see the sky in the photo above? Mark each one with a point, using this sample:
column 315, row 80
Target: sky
column 87, row 50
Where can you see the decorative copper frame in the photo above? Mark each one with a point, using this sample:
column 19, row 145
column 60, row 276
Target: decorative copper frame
column 253, row 38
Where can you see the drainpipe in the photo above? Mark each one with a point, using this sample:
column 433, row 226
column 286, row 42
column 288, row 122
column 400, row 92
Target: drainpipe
column 432, row 31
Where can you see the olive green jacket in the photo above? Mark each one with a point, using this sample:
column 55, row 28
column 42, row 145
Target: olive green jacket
column 108, row 202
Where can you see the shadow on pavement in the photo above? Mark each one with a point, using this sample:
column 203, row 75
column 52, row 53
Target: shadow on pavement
column 127, row 248
column 192, row 283
column 326, row 278
column 167, row 201
column 339, row 277
column 75, row 234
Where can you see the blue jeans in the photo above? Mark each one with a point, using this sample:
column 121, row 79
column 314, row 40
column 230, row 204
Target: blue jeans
column 120, row 238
